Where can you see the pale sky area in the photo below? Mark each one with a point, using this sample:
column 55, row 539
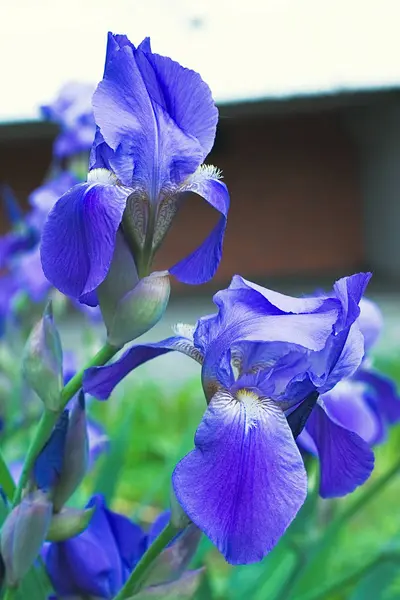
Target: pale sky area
column 248, row 49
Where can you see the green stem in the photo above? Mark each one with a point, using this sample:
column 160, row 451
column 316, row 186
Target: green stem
column 6, row 480
column 132, row 585
column 49, row 418
column 9, row 593
column 341, row 584
column 336, row 525
column 297, row 568
column 374, row 488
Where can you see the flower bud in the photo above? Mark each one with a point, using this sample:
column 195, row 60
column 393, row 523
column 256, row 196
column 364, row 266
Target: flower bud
column 68, row 523
column 42, row 361
column 23, row 534
column 140, row 309
column 49, row 464
column 76, row 455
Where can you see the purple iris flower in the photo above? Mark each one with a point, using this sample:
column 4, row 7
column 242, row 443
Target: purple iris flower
column 72, row 110
column 365, row 403
column 99, row 561
column 265, row 357
column 8, row 289
column 156, row 124
column 22, row 237
column 43, row 198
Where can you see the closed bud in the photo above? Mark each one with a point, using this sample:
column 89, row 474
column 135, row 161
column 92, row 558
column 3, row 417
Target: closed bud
column 76, row 455
column 42, row 361
column 49, row 464
column 23, row 534
column 140, row 309
column 68, row 523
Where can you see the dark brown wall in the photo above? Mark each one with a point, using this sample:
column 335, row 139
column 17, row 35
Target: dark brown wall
column 23, row 165
column 295, row 198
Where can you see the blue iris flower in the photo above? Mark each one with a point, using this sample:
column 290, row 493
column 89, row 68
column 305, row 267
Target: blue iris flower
column 365, row 403
column 99, row 561
column 72, row 111
column 264, row 356
column 156, row 124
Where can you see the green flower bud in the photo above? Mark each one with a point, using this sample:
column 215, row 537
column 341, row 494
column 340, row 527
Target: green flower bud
column 140, row 309
column 42, row 361
column 23, row 534
column 76, row 455
column 69, row 523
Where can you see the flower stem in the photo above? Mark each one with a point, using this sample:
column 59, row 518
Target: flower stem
column 341, row 584
column 49, row 418
column 335, row 527
column 6, row 480
column 132, row 584
column 9, row 593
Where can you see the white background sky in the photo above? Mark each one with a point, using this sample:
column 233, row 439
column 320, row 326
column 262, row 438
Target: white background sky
column 244, row 49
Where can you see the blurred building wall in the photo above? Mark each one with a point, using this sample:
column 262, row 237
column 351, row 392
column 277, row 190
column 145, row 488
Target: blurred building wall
column 295, row 195
column 376, row 131
column 295, row 198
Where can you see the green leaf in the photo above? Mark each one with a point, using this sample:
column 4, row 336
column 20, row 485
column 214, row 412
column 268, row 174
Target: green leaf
column 113, row 461
column 377, row 585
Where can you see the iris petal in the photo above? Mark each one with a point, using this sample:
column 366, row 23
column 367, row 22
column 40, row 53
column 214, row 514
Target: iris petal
column 184, row 95
column 348, row 405
column 384, row 392
column 346, row 460
column 100, row 381
column 370, row 322
column 129, row 538
column 201, row 265
column 151, row 149
column 79, row 236
column 245, row 481
column 88, row 564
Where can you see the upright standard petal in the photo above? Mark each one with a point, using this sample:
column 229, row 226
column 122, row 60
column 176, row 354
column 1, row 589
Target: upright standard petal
column 245, row 481
column 79, row 235
column 201, row 265
column 182, row 93
column 100, row 381
column 349, row 290
column 370, row 322
column 346, row 461
column 151, row 149
column 252, row 313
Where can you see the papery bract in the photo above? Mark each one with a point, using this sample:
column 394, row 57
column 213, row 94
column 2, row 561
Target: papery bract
column 23, row 534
